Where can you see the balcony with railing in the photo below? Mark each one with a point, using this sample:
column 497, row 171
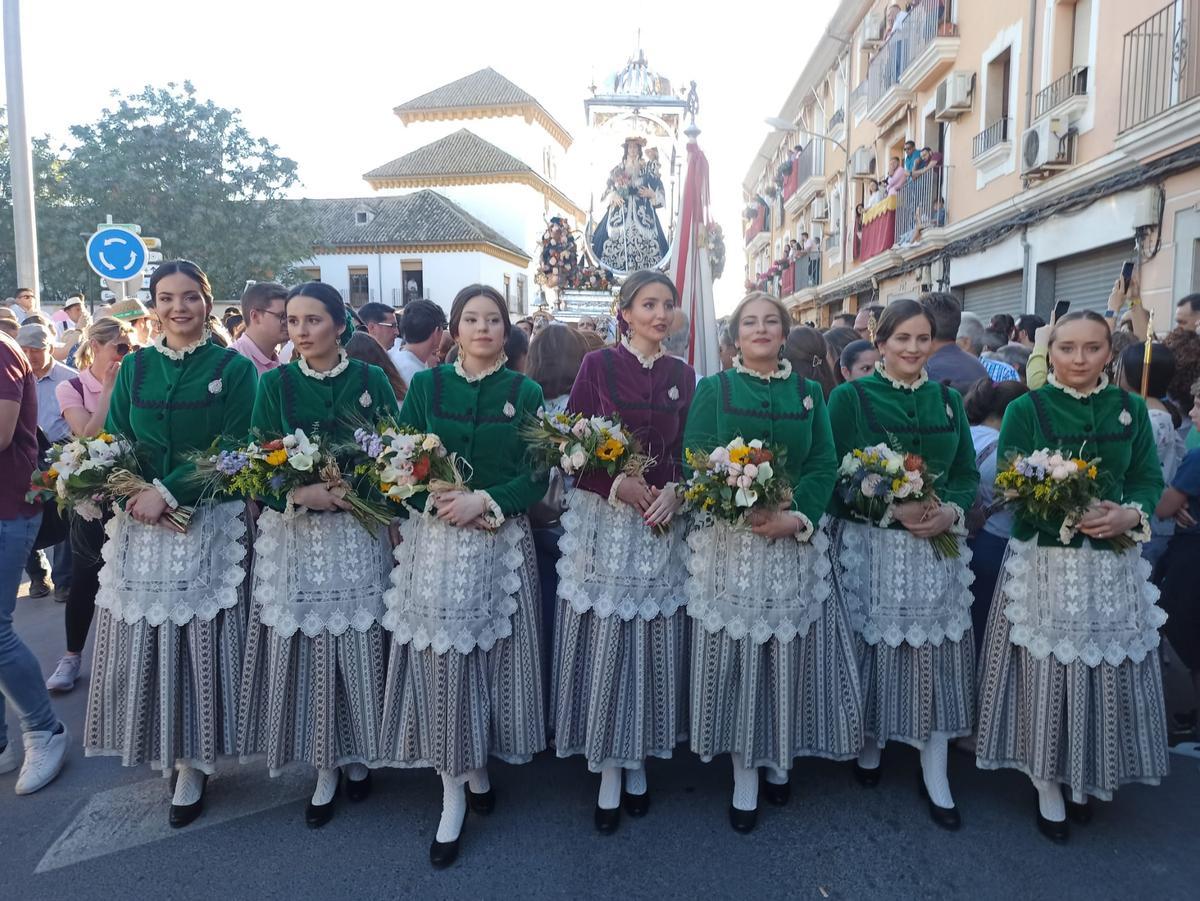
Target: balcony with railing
column 918, row 206
column 836, row 120
column 917, row 52
column 992, row 143
column 759, row 225
column 1160, row 64
column 1064, row 95
column 859, row 95
column 807, row 177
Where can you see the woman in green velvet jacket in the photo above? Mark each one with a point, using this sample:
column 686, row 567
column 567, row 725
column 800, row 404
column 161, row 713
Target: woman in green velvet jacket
column 910, row 605
column 172, row 606
column 465, row 676
column 1070, row 686
column 773, row 665
column 312, row 685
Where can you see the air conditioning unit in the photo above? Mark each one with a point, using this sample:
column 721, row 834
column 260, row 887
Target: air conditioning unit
column 819, row 211
column 954, row 96
column 1045, row 147
column 873, row 27
column 862, row 163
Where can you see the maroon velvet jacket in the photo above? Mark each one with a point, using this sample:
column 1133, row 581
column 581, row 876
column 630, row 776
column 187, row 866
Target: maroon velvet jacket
column 651, row 403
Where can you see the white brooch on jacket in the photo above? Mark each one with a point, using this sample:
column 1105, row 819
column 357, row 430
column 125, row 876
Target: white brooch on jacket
column 808, row 402
column 364, row 399
column 673, row 393
column 1125, row 418
column 509, row 410
column 949, row 412
column 215, row 386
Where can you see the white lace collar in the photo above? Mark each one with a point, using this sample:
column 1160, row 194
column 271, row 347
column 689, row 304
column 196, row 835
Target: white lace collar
column 496, row 367
column 1072, row 392
column 896, row 383
column 647, row 362
column 782, row 371
column 160, row 343
column 342, row 364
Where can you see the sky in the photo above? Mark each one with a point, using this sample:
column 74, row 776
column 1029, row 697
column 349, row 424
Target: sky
column 320, row 80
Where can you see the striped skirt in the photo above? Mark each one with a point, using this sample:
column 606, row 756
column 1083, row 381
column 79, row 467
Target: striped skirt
column 166, row 694
column 452, row 711
column 620, row 686
column 775, row 701
column 1092, row 728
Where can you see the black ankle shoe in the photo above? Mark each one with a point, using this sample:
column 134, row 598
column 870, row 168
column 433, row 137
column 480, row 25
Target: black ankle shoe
column 358, row 789
column 776, row 795
column 743, row 821
column 442, row 854
column 1056, row 830
column 607, row 819
column 946, row 817
column 183, row 814
column 1079, row 813
column 636, row 805
column 482, row 803
column 317, row 815
column 866, row 778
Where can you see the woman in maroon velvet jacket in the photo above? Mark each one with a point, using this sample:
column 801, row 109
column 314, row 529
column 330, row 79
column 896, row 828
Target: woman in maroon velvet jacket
column 620, row 661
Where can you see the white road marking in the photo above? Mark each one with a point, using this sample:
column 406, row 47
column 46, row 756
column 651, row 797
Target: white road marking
column 122, row 818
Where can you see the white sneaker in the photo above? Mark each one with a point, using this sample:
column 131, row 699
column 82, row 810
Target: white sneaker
column 45, row 754
column 9, row 760
column 65, row 674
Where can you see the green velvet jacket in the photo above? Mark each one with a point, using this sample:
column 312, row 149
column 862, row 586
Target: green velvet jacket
column 929, row 422
column 1110, row 424
column 788, row 411
column 479, row 420
column 170, row 408
column 288, row 399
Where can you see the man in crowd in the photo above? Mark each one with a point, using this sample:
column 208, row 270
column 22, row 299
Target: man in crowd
column 264, row 313
column 1026, row 328
column 24, row 303
column 1187, row 313
column 911, row 155
column 21, row 685
column 863, row 319
column 8, row 322
column 132, row 311
column 69, row 316
column 380, row 322
column 842, row 320
column 897, row 176
column 37, row 343
column 949, row 363
column 971, row 335
column 422, row 324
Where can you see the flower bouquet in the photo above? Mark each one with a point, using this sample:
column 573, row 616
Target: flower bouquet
column 576, row 443
column 1052, row 485
column 872, row 480
column 84, row 474
column 272, row 469
column 733, row 480
column 402, row 462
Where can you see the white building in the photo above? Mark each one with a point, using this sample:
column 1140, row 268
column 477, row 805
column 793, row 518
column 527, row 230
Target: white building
column 495, row 190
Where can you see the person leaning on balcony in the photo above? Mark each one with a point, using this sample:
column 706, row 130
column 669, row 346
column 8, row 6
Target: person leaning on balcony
column 926, row 160
column 897, row 176
column 911, row 155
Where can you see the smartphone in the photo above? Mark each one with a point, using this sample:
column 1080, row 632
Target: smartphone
column 1060, row 309
column 1126, row 273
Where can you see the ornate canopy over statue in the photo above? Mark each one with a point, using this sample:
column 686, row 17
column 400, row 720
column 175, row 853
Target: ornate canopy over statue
column 629, row 235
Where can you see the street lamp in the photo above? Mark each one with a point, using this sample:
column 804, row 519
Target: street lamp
column 791, row 127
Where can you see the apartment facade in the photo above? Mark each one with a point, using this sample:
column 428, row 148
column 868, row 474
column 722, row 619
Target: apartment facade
column 1064, row 139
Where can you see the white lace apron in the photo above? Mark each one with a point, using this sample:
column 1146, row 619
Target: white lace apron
column 319, row 572
column 612, row 563
column 454, row 588
column 898, row 590
column 154, row 574
column 1084, row 604
column 750, row 586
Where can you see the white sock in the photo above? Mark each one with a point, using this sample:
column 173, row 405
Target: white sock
column 326, row 786
column 868, row 757
column 1078, row 797
column 776, row 777
column 933, row 769
column 479, row 781
column 635, row 780
column 1050, row 800
column 745, row 784
column 454, row 809
column 610, row 788
column 355, row 772
column 189, row 786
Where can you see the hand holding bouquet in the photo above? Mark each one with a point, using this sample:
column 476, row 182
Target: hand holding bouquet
column 84, row 474
column 402, row 462
column 734, row 481
column 873, row 480
column 1053, row 486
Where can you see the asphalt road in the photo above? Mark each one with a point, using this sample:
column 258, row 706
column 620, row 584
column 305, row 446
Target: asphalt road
column 101, row 830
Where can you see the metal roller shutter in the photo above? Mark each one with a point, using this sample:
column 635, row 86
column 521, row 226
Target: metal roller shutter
column 994, row 295
column 1086, row 279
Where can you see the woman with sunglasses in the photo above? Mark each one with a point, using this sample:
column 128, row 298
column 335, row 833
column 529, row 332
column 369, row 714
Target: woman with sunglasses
column 83, row 401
